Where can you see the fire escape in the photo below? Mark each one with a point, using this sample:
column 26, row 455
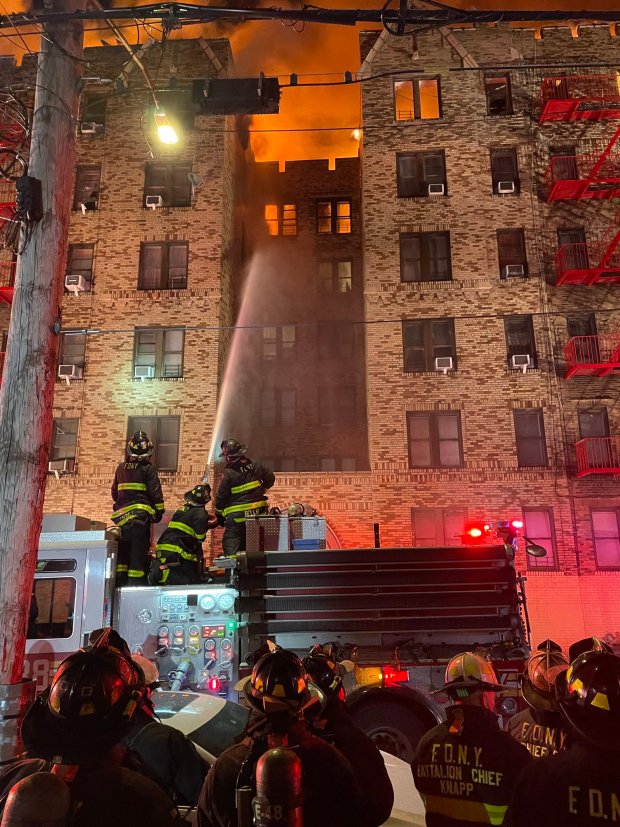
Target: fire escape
column 592, row 176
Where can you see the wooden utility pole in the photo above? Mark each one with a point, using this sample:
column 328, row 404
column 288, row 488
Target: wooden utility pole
column 27, row 392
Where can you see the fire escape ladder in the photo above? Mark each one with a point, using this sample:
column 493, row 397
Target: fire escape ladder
column 604, row 155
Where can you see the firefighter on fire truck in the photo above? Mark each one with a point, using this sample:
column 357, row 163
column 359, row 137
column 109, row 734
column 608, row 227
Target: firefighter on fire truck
column 138, row 502
column 241, row 493
column 179, row 550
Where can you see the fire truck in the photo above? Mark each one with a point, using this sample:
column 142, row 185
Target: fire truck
column 395, row 615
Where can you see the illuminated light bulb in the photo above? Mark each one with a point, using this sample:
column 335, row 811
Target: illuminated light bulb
column 517, row 523
column 165, row 131
column 356, row 134
column 475, row 532
column 214, row 684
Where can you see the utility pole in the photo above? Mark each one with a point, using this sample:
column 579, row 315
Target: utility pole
column 27, row 392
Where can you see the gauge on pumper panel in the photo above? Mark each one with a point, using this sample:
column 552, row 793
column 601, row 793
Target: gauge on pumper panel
column 226, row 601
column 207, row 603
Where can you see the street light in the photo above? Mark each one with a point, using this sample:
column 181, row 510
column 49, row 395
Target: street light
column 533, row 549
column 165, row 131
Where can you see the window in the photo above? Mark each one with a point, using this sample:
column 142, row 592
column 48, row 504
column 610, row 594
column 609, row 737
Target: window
column 593, row 422
column 334, row 216
column 538, row 527
column 417, row 171
column 64, row 439
column 426, row 340
column 434, row 439
column 530, row 437
column 335, row 276
column 72, row 349
column 498, row 95
column 171, row 182
column 606, row 534
column 519, row 331
column 53, row 612
column 278, row 342
column 281, row 219
column 163, row 431
column 94, row 110
column 572, row 242
column 161, row 349
column 511, row 252
column 437, row 526
column 425, row 257
column 337, row 406
column 87, row 186
column 505, row 170
column 336, row 340
column 278, row 406
column 417, row 99
column 80, row 261
column 163, row 265
column 338, row 464
column 178, row 106
column 564, row 162
column 585, row 349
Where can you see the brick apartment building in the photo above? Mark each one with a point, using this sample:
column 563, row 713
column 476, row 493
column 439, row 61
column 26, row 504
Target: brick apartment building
column 348, row 284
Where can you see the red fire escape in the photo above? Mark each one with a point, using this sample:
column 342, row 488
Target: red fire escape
column 590, row 262
column 580, row 98
column 595, row 175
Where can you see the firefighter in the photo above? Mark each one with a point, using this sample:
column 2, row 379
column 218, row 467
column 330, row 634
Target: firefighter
column 579, row 786
column 541, row 727
column 241, row 493
column 335, row 724
column 138, row 502
column 465, row 769
column 278, row 693
column 179, row 550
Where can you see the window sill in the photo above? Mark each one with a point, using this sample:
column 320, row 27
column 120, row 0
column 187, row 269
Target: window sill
column 431, row 469
column 511, row 371
column 419, row 198
column 418, row 121
column 158, row 379
column 428, row 372
column 534, row 468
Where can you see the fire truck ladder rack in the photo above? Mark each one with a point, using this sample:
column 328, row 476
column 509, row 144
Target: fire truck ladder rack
column 443, row 599
column 591, row 176
column 579, row 98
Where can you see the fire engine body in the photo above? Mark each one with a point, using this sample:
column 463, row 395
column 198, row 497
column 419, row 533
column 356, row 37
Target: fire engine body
column 397, row 614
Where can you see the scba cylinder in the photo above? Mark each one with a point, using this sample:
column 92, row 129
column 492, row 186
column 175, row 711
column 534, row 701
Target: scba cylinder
column 278, row 789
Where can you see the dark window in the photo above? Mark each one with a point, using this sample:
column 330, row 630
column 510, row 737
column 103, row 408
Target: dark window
column 170, row 181
column 511, row 252
column 420, row 174
column 163, row 431
column 505, row 170
column 593, row 422
column 539, row 529
column 434, row 439
column 573, row 248
column 158, row 353
column 163, row 265
column 583, row 325
column 417, row 98
column 336, row 276
column 334, row 216
column 498, row 95
column 437, row 526
column 53, row 613
column 278, row 342
column 564, row 163
column 278, row 406
column 64, row 439
column 426, row 340
column 606, row 535
column 72, row 349
column 530, row 437
column 584, row 349
column 425, row 257
column 337, row 406
column 520, row 340
column 178, row 106
column 336, row 340
column 281, row 219
column 80, row 261
column 337, row 464
column 87, row 187
column 94, row 111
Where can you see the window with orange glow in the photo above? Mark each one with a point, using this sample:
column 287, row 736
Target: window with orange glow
column 417, row 99
column 289, row 219
column 334, row 216
column 281, row 219
column 272, row 219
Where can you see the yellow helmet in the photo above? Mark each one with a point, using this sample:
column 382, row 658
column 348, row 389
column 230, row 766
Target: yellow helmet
column 469, row 672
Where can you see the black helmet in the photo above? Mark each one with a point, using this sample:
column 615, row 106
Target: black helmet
column 323, row 671
column 231, row 449
column 139, row 446
column 88, row 706
column 199, row 495
column 278, row 684
column 538, row 679
column 587, row 644
column 589, row 696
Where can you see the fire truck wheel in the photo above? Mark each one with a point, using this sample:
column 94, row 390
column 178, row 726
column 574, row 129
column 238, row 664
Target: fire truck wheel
column 394, row 727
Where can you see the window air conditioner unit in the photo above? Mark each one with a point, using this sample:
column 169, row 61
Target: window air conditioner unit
column 436, row 189
column 511, row 270
column 88, row 128
column 153, row 202
column 444, row 363
column 76, row 284
column 521, row 361
column 69, row 372
column 61, row 466
column 143, row 372
column 506, row 187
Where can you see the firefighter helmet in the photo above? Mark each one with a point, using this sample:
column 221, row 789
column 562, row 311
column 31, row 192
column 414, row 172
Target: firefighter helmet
column 323, row 671
column 278, row 683
column 588, row 644
column 538, row 679
column 199, row 495
column 139, row 446
column 231, row 449
column 467, row 673
column 88, row 706
column 589, row 696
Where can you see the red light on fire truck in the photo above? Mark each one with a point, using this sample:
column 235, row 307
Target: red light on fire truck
column 214, row 684
column 392, row 676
